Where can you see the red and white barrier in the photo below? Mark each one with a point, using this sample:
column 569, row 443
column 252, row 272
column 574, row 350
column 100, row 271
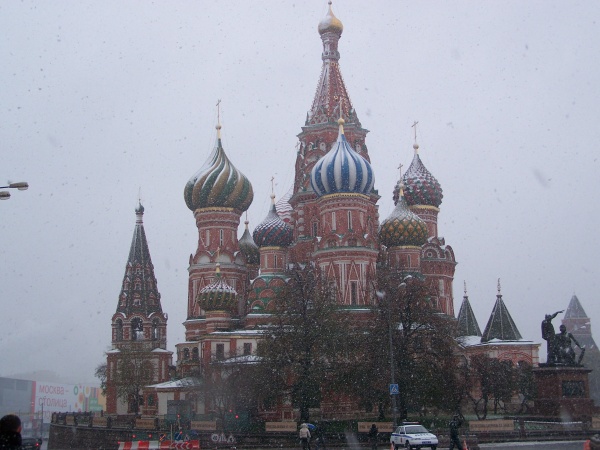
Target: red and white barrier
column 157, row 445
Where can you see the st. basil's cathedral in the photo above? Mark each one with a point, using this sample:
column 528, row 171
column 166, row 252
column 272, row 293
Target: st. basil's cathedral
column 329, row 218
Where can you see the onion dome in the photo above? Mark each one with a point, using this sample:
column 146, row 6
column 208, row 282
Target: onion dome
column 218, row 183
column 342, row 170
column 420, row 187
column 273, row 232
column 402, row 227
column 218, row 295
column 330, row 23
column 283, row 207
column 248, row 247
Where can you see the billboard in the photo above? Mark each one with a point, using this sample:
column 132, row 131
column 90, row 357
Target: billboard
column 56, row 397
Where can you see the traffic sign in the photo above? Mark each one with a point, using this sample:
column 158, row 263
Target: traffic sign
column 394, row 389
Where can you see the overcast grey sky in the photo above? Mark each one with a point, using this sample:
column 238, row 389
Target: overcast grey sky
column 99, row 100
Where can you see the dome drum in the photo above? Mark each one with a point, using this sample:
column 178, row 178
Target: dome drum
column 407, row 257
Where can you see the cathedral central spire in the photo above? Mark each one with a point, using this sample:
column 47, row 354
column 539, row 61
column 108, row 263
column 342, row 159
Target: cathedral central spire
column 331, row 99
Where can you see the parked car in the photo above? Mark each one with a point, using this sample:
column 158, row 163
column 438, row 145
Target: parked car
column 413, row 435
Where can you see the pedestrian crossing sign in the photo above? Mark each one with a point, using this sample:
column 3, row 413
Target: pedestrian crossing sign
column 394, row 389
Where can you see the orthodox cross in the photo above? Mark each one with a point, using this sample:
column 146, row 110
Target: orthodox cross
column 272, row 185
column 414, row 125
column 218, row 111
column 499, row 289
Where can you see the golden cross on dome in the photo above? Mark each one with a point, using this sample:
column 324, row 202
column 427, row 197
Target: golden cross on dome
column 272, row 185
column 400, row 169
column 414, row 125
column 218, row 118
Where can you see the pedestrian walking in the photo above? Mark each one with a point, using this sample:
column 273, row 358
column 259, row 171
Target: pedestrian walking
column 454, row 426
column 304, row 436
column 320, row 435
column 373, row 433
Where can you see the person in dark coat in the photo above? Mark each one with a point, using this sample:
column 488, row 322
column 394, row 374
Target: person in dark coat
column 320, row 435
column 454, row 426
column 10, row 432
column 373, row 432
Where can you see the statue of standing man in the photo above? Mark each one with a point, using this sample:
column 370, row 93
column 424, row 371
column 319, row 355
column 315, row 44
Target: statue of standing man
column 549, row 336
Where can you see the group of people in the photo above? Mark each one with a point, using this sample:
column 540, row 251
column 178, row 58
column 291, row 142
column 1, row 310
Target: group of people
column 10, row 432
column 305, row 436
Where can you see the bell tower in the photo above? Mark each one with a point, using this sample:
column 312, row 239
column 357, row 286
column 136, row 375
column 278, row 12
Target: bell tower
column 139, row 324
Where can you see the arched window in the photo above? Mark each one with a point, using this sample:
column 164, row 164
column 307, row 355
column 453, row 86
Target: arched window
column 155, row 330
column 195, row 354
column 186, row 354
column 119, row 330
column 137, row 329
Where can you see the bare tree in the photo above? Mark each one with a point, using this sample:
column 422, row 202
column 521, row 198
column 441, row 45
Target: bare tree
column 410, row 332
column 308, row 341
column 100, row 373
column 135, row 369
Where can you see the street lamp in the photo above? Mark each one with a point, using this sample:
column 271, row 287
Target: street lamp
column 393, row 386
column 41, row 401
column 21, row 186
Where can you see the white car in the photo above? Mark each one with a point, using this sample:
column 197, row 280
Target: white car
column 413, row 435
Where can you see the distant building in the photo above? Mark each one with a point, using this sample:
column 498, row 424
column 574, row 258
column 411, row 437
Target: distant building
column 580, row 326
column 500, row 339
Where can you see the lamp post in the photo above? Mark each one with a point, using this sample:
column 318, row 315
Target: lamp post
column 21, row 186
column 393, row 385
column 392, row 372
column 41, row 401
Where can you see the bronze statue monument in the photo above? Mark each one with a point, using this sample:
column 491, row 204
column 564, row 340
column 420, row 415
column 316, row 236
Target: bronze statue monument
column 560, row 346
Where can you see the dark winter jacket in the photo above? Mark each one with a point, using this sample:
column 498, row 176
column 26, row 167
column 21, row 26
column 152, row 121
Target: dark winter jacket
column 373, row 433
column 454, row 425
column 10, row 440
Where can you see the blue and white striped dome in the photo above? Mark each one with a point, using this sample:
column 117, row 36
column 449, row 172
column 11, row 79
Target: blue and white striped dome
column 342, row 170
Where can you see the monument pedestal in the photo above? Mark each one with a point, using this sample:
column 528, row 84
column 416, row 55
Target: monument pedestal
column 563, row 392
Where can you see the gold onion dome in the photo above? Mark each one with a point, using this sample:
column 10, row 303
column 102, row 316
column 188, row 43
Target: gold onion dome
column 218, row 295
column 218, row 183
column 402, row 227
column 330, row 23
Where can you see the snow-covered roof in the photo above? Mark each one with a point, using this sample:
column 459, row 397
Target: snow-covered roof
column 245, row 359
column 472, row 341
column 237, row 332
column 161, row 350
column 188, row 382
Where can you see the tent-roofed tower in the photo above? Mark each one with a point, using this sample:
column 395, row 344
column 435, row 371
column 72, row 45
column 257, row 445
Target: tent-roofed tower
column 466, row 322
column 139, row 324
column 334, row 213
column 319, row 135
column 578, row 323
column 500, row 325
